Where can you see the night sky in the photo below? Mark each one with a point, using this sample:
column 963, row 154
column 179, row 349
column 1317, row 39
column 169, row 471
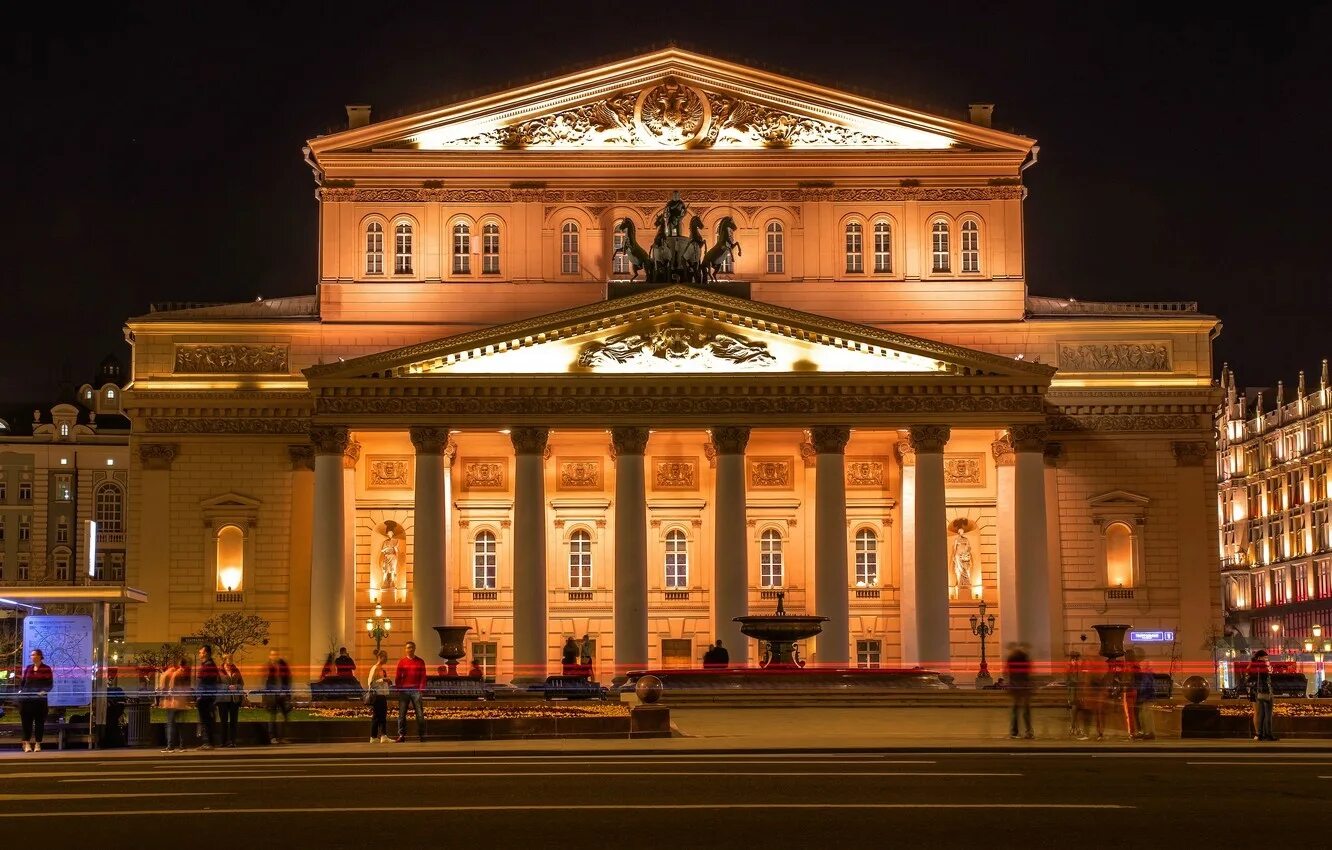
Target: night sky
column 154, row 150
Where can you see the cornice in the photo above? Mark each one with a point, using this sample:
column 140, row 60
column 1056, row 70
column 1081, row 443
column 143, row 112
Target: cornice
column 248, row 426
column 481, row 195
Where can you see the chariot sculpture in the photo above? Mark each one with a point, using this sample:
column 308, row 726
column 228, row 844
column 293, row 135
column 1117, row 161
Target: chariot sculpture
column 674, row 257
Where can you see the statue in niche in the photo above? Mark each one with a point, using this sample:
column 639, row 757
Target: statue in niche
column 962, row 562
column 388, row 561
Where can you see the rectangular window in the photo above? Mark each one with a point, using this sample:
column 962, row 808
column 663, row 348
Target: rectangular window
column 677, row 561
column 1324, row 570
column 486, row 654
column 64, row 488
column 1301, row 582
column 62, row 568
column 23, row 566
column 868, row 653
column 483, row 562
column 62, row 531
column 25, row 491
column 25, row 528
column 2, row 529
column 4, row 492
column 580, row 562
column 2, row 566
column 117, row 566
column 1279, row 596
column 677, row 652
column 770, row 560
column 619, row 253
column 99, row 567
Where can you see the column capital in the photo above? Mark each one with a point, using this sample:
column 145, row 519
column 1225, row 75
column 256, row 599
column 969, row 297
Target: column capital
column 1192, row 452
column 529, row 440
column 1053, row 451
column 905, row 452
column 157, row 455
column 929, row 438
column 1003, row 451
column 628, row 440
column 302, row 458
column 1028, row 438
column 730, row 439
column 351, row 455
column 330, row 439
column 829, row 439
column 808, row 454
column 429, row 439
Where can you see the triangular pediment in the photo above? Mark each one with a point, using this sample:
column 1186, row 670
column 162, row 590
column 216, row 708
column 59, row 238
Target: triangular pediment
column 680, row 329
column 1118, row 499
column 671, row 100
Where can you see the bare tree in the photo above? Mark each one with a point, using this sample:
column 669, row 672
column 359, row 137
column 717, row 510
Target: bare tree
column 234, row 631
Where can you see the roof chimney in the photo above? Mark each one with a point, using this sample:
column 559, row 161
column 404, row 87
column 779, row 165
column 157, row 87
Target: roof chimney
column 980, row 113
column 358, row 115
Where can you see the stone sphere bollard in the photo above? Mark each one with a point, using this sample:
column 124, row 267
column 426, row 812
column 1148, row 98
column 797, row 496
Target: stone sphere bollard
column 1195, row 689
column 648, row 689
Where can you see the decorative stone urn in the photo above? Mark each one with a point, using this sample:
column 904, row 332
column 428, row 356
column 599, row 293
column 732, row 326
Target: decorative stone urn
column 451, row 645
column 1112, row 640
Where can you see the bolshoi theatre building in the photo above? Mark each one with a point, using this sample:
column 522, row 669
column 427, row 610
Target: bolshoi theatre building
column 629, row 352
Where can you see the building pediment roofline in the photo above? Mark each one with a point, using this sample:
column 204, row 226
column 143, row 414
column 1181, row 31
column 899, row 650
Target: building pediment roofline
column 665, row 304
column 710, row 90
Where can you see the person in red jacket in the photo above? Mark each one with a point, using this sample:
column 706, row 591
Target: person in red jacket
column 409, row 679
column 34, row 689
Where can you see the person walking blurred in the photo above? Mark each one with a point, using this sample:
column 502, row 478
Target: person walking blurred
column 230, row 698
column 1017, row 669
column 277, row 696
column 173, row 686
column 34, row 699
column 1129, row 692
column 409, row 678
column 205, row 695
column 378, row 688
column 1082, row 674
column 1263, row 696
column 1146, row 688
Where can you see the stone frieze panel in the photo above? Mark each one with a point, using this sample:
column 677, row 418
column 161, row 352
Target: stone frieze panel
column 230, row 359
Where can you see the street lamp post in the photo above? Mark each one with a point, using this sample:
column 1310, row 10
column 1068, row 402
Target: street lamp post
column 1276, row 641
column 983, row 627
column 1318, row 647
column 378, row 626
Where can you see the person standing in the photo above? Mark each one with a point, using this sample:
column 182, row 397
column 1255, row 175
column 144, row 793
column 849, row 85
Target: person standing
column 1132, row 671
column 409, row 679
column 379, row 686
column 206, row 685
column 343, row 665
column 1146, row 686
column 1263, row 696
column 172, row 689
column 232, row 695
column 115, row 711
column 717, row 656
column 277, row 696
column 34, row 694
column 1017, row 667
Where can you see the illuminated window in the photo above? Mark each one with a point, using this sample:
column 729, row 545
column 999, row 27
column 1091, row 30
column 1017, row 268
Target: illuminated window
column 64, row 488
column 402, row 248
column 677, row 559
column 110, row 393
column 374, row 248
column 62, row 530
column 580, row 560
column 1280, row 594
column 486, row 655
column 770, row 559
column 776, row 248
column 490, row 247
column 483, row 561
column 1119, row 555
column 64, row 429
column 883, row 248
column 569, row 248
column 855, row 248
column 868, row 653
column 939, row 246
column 1300, row 578
column 970, row 247
column 867, row 558
column 109, row 509
column 1119, row 517
column 230, row 559
column 462, row 248
column 619, row 253
column 1324, row 570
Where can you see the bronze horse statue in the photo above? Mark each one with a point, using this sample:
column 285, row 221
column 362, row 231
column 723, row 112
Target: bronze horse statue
column 638, row 257
column 715, row 258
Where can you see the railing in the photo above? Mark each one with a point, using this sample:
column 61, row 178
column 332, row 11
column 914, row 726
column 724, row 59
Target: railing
column 1044, row 305
column 1119, row 593
column 678, row 597
column 867, row 592
column 764, row 599
column 110, row 536
column 581, row 596
column 230, row 597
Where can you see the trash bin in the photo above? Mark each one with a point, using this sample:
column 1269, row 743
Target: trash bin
column 139, row 723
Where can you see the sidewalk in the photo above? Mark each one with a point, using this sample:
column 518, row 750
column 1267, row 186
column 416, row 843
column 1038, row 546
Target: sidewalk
column 781, row 730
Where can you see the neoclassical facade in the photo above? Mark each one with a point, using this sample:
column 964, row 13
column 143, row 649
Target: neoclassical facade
column 485, row 416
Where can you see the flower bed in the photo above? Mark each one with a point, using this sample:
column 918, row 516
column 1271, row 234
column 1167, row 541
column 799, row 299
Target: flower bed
column 499, row 711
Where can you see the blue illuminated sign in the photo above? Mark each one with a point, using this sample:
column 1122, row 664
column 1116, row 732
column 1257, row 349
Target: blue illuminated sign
column 1152, row 637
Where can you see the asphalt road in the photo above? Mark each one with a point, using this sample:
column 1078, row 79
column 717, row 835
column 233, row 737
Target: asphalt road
column 389, row 795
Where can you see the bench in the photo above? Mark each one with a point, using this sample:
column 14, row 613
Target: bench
column 570, row 687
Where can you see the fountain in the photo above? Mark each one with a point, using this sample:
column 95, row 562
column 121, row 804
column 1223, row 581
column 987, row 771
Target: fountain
column 780, row 631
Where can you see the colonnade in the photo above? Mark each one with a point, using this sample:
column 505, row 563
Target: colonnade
column 1024, row 578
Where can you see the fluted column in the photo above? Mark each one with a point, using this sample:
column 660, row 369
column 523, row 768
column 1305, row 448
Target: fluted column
column 730, row 584
column 429, row 590
column 910, row 631
column 349, row 460
column 631, row 588
column 1033, row 573
column 831, row 587
column 931, row 547
column 327, row 582
column 530, row 652
column 1005, row 460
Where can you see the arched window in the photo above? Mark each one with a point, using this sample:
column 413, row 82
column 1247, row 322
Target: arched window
column 883, row 248
column 770, row 559
column 109, row 508
column 483, row 561
column 230, row 559
column 569, row 248
column 462, row 248
column 110, row 392
column 580, row 560
column 970, row 247
column 677, row 559
column 402, row 248
column 1119, row 555
column 939, row 245
column 64, row 429
column 776, row 248
column 490, row 245
column 855, row 247
column 374, row 248
column 867, row 558
column 619, row 261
